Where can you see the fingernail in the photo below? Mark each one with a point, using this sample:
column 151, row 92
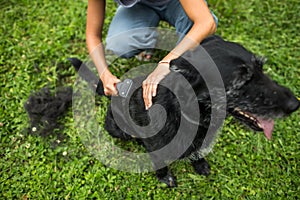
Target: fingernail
column 148, row 106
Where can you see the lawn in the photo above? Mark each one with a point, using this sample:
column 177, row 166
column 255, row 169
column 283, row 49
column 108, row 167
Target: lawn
column 37, row 37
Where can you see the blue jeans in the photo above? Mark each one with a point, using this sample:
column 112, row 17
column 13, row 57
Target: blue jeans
column 132, row 30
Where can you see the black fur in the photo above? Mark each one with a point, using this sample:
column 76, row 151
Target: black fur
column 44, row 109
column 248, row 92
column 251, row 96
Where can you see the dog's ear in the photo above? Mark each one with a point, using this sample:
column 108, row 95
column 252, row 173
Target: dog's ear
column 242, row 75
column 246, row 70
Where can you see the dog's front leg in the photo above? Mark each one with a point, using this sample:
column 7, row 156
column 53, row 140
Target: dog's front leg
column 162, row 172
column 165, row 176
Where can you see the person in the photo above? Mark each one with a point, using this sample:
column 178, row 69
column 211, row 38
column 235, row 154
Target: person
column 131, row 31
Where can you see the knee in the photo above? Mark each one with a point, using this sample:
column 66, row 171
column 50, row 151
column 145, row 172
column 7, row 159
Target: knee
column 120, row 47
column 131, row 43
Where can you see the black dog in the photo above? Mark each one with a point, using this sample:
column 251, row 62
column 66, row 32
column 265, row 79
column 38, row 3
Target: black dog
column 251, row 97
column 248, row 95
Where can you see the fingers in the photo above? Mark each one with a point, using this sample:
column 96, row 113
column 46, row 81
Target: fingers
column 151, row 83
column 110, row 90
column 109, row 83
column 149, row 91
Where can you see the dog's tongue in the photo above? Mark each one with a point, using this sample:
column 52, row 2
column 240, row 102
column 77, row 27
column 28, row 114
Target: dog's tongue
column 268, row 126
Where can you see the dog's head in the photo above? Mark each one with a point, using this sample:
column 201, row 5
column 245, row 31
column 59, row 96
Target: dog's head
column 255, row 99
column 252, row 97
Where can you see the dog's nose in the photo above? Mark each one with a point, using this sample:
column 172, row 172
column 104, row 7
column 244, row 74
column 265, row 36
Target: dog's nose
column 292, row 105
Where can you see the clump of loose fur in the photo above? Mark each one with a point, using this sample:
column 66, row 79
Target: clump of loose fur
column 44, row 109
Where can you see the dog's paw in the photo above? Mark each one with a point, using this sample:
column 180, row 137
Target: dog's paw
column 202, row 167
column 169, row 179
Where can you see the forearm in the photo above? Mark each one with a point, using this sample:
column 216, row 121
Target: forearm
column 203, row 26
column 94, row 25
column 96, row 51
column 192, row 39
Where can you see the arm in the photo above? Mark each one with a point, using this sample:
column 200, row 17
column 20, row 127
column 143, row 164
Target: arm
column 204, row 25
column 94, row 26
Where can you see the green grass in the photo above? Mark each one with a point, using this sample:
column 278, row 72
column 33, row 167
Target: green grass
column 38, row 36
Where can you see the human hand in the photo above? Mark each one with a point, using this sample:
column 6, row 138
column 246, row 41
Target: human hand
column 109, row 82
column 151, row 82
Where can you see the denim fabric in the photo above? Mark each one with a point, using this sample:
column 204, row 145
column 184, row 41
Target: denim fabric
column 132, row 30
column 130, row 3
